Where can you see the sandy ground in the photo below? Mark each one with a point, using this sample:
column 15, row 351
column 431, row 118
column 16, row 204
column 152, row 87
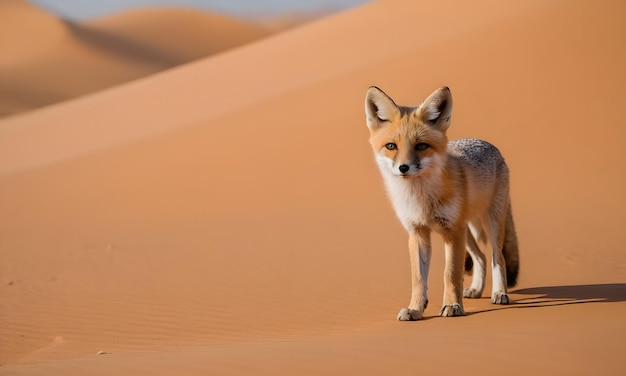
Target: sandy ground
column 227, row 217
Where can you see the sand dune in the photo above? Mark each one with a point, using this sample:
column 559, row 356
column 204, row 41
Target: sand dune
column 46, row 60
column 226, row 217
column 178, row 34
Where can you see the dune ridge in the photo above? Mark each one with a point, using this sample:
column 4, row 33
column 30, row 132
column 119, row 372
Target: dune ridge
column 231, row 223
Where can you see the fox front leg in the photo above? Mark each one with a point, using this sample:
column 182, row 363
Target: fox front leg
column 453, row 274
column 419, row 252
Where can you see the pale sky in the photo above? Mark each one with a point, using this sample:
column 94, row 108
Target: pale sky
column 80, row 9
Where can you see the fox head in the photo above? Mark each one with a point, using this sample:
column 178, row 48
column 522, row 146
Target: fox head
column 408, row 141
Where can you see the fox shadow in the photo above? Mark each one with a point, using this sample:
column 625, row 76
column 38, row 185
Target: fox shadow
column 609, row 293
column 550, row 296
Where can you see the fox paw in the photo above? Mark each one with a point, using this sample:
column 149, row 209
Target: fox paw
column 499, row 298
column 406, row 314
column 472, row 293
column 451, row 310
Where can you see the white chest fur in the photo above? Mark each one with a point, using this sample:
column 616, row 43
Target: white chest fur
column 416, row 202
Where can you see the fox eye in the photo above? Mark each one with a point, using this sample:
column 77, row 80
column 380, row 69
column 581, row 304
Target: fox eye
column 422, row 146
column 391, row 146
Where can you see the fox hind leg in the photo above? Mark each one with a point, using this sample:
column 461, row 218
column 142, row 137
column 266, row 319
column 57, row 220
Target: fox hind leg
column 478, row 260
column 498, row 264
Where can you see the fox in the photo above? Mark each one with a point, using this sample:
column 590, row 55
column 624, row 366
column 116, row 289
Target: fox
column 458, row 189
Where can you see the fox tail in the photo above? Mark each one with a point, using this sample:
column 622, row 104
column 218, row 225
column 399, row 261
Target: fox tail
column 510, row 249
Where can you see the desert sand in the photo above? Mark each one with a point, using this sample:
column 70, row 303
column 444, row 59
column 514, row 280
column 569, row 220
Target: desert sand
column 226, row 216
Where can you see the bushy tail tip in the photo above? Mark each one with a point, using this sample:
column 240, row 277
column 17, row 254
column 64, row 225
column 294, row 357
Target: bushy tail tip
column 510, row 250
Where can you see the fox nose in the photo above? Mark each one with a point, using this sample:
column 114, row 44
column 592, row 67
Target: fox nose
column 403, row 168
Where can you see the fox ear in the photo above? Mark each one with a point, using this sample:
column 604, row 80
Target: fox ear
column 437, row 108
column 379, row 107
